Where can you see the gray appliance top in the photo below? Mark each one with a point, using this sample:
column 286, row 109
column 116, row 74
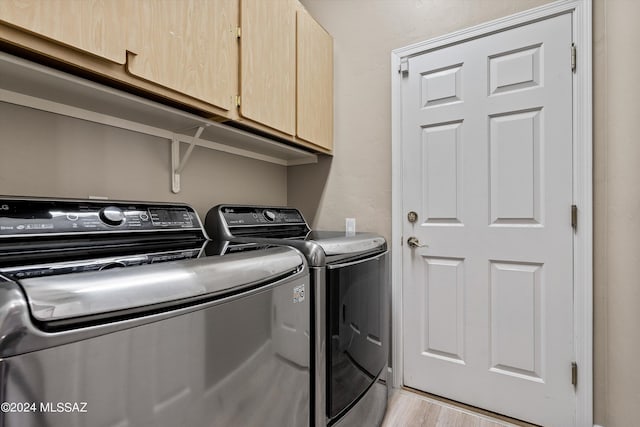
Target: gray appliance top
column 286, row 226
column 58, row 300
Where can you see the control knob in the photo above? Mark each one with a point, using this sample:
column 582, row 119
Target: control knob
column 112, row 215
column 270, row 215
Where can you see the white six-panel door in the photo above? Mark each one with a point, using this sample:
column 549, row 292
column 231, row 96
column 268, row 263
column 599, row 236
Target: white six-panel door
column 487, row 166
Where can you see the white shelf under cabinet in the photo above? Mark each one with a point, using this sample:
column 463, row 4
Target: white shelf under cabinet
column 33, row 85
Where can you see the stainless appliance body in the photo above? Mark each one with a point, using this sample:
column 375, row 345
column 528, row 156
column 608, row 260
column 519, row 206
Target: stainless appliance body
column 350, row 282
column 118, row 314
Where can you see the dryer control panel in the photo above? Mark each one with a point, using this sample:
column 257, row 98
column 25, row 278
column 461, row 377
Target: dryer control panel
column 247, row 215
column 226, row 222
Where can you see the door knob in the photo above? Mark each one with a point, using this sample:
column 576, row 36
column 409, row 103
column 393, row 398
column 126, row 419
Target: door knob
column 413, row 243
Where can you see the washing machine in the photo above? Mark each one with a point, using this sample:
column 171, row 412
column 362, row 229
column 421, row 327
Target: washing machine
column 120, row 313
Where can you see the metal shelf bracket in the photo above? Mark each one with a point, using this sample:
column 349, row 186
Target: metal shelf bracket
column 177, row 164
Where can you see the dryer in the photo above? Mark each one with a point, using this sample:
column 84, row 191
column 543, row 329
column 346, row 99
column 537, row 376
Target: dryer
column 350, row 283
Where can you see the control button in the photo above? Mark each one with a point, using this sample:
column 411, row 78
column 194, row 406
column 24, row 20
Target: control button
column 112, row 215
column 72, row 217
column 144, row 217
column 270, row 215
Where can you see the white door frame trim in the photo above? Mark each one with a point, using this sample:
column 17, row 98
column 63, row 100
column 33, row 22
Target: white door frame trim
column 581, row 11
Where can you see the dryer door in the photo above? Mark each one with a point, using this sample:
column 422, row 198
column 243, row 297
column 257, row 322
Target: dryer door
column 358, row 328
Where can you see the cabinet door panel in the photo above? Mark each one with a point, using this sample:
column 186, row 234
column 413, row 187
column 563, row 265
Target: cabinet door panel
column 315, row 82
column 268, row 58
column 187, row 45
column 94, row 26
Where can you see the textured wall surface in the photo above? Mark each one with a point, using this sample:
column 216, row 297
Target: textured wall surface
column 617, row 212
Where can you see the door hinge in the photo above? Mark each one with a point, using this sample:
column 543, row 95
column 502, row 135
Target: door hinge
column 574, row 373
column 238, row 32
column 238, row 101
column 573, row 57
column 574, row 217
column 404, row 66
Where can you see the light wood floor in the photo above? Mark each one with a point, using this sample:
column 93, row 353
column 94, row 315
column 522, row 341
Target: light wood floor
column 409, row 409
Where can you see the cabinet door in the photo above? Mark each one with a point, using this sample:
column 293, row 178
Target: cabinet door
column 93, row 26
column 186, row 45
column 315, row 82
column 268, row 63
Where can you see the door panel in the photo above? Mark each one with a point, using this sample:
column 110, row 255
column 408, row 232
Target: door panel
column 442, row 173
column 515, row 70
column 188, row 46
column 98, row 27
column 487, row 164
column 268, row 63
column 444, row 308
column 314, row 110
column 514, row 170
column 516, row 318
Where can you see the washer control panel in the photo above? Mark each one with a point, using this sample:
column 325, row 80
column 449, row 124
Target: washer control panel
column 41, row 216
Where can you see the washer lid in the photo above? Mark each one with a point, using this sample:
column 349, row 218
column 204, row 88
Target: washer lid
column 90, row 297
column 339, row 243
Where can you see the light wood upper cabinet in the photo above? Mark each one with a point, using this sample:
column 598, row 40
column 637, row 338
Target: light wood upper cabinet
column 196, row 55
column 94, row 26
column 268, row 63
column 187, row 45
column 315, row 82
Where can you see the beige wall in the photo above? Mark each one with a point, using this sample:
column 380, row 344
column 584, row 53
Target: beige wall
column 617, row 211
column 357, row 181
column 43, row 154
